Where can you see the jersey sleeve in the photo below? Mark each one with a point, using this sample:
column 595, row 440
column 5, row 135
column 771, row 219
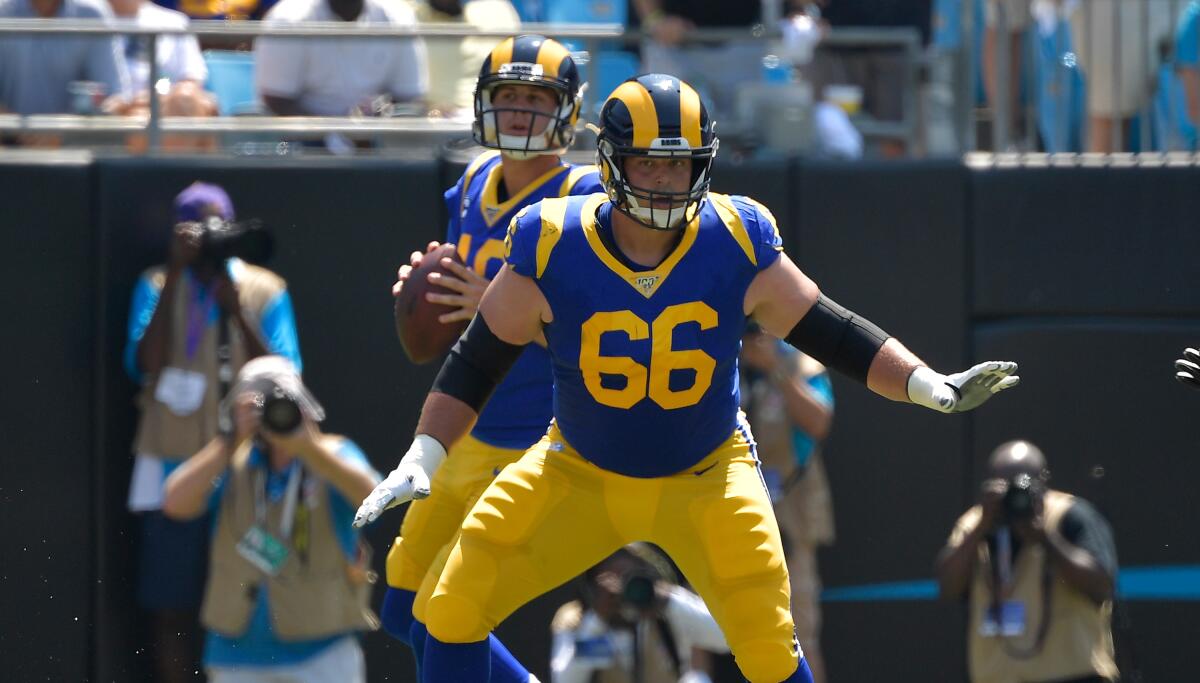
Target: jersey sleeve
column 453, row 198
column 589, row 183
column 762, row 229
column 520, row 244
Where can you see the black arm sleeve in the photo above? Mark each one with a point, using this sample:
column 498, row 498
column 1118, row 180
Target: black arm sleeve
column 476, row 364
column 838, row 338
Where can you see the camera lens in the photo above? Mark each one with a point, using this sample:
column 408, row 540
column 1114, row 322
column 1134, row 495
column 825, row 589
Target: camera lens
column 1018, row 500
column 280, row 413
column 638, row 591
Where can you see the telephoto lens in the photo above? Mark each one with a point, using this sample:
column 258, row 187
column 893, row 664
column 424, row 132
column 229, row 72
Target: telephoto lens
column 280, row 412
column 1018, row 499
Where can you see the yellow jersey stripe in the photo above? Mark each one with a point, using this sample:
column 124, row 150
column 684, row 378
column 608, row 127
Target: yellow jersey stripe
column 733, row 223
column 645, row 282
column 641, row 109
column 689, row 114
column 553, row 213
column 492, row 208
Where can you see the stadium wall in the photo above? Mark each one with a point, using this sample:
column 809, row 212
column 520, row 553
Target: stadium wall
column 1081, row 275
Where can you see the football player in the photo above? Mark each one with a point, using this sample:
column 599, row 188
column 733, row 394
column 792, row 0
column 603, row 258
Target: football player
column 526, row 105
column 643, row 294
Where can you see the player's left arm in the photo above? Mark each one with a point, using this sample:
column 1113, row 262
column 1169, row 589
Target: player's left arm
column 510, row 316
column 789, row 305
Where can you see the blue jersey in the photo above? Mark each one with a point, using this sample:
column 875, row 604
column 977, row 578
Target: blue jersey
column 645, row 361
column 519, row 411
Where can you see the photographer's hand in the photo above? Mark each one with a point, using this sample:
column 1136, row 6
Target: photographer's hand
column 991, row 502
column 225, row 291
column 185, row 245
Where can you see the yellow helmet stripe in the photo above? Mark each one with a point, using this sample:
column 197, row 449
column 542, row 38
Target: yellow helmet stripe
column 689, row 114
column 551, row 55
column 501, row 55
column 641, row 109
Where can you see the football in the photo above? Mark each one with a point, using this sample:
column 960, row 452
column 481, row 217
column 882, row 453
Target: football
column 423, row 337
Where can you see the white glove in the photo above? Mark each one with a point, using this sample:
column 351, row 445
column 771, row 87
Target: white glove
column 961, row 391
column 409, row 481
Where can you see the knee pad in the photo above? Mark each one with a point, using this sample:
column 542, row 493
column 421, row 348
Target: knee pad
column 767, row 661
column 453, row 619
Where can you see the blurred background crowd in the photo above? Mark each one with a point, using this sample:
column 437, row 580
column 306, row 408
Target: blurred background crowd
column 826, row 78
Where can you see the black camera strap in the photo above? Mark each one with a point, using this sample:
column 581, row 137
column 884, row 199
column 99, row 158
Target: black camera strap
column 1043, row 623
column 224, row 375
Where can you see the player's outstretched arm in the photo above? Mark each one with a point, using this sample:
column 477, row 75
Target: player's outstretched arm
column 789, row 305
column 1187, row 368
column 510, row 316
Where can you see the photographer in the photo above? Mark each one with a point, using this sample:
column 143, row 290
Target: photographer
column 289, row 578
column 633, row 624
column 1037, row 568
column 198, row 316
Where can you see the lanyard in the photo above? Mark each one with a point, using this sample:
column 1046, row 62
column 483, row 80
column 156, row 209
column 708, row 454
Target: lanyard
column 287, row 517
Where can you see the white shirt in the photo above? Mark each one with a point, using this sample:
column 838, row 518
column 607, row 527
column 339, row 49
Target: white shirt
column 179, row 56
column 691, row 624
column 329, row 76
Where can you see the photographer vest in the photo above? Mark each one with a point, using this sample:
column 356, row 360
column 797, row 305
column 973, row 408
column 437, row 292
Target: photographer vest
column 163, row 433
column 1078, row 640
column 316, row 594
column 658, row 666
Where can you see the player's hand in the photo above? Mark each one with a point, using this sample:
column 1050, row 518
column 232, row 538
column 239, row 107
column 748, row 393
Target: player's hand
column 469, row 286
column 409, row 481
column 1187, row 369
column 414, row 261
column 961, row 391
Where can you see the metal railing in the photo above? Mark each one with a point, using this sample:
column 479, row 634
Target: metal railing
column 591, row 36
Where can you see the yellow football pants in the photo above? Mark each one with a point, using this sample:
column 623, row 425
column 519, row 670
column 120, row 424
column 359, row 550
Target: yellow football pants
column 430, row 525
column 551, row 515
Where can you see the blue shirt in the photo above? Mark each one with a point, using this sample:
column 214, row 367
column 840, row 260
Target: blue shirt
column 258, row 646
column 277, row 326
column 519, row 411
column 645, row 361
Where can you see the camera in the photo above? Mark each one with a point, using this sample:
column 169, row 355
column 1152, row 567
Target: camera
column 637, row 590
column 222, row 240
column 280, row 412
column 1018, row 499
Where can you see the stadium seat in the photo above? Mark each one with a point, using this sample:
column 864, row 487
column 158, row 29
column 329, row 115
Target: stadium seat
column 611, row 68
column 585, row 11
column 231, row 79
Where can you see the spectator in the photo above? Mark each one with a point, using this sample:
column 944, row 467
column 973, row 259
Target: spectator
column 1037, row 568
column 335, row 76
column 1117, row 43
column 289, row 579
column 178, row 56
column 788, row 399
column 632, row 623
column 1187, row 65
column 181, row 69
column 452, row 72
column 175, row 327
column 36, row 71
column 878, row 71
column 229, row 10
column 714, row 69
column 1005, row 21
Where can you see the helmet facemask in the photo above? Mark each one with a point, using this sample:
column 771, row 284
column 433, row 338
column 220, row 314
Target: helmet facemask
column 638, row 202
